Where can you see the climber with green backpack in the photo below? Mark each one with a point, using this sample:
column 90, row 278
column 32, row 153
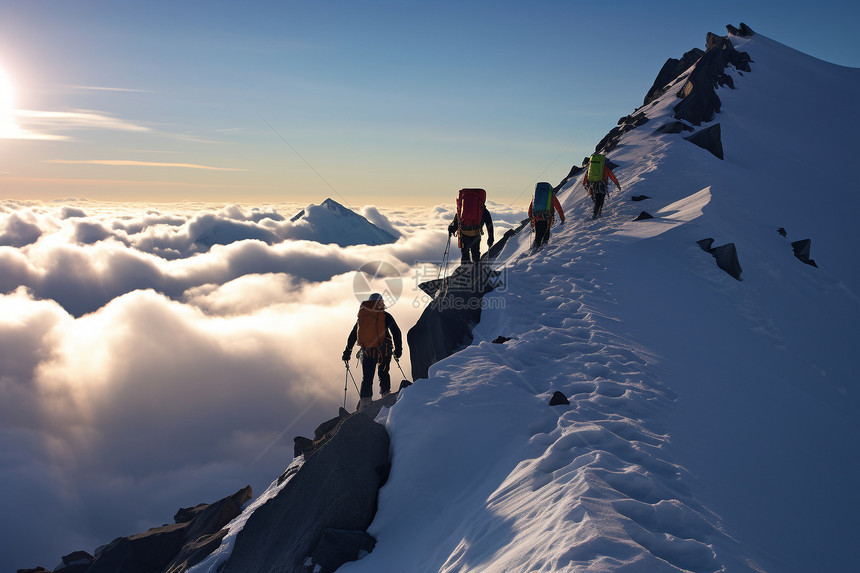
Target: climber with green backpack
column 541, row 211
column 379, row 339
column 595, row 180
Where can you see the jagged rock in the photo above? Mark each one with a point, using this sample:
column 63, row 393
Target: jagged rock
column 215, row 516
column 801, row 251
column 156, row 550
column 710, row 139
column 330, row 425
column 445, row 326
column 75, row 562
column 639, row 197
column 625, row 124
column 558, row 399
column 643, row 216
column 782, row 231
column 670, row 71
column 193, row 553
column 306, row 447
column 148, row 552
column 727, row 259
column 700, row 101
column 186, row 514
column 706, row 245
column 744, row 31
column 674, row 127
column 336, row 488
column 338, row 547
column 501, row 339
column 302, row 446
column 726, row 256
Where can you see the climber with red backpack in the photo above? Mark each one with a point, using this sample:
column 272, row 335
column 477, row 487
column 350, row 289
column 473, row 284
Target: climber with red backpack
column 379, row 339
column 471, row 216
column 595, row 180
column 541, row 212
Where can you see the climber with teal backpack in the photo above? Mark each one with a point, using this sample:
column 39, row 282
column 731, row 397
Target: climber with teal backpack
column 595, row 180
column 541, row 211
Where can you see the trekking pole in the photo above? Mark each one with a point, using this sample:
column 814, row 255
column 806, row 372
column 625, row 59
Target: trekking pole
column 345, row 382
column 354, row 385
column 445, row 258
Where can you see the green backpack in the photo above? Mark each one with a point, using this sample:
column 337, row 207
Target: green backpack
column 595, row 167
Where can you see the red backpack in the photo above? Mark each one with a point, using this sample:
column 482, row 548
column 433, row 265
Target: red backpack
column 470, row 208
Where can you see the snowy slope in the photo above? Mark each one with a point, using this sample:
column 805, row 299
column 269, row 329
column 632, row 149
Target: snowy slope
column 713, row 423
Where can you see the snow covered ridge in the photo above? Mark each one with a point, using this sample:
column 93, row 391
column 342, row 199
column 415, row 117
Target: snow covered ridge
column 712, row 424
column 701, row 406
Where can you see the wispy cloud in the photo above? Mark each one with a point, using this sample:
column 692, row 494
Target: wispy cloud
column 49, row 125
column 110, row 89
column 129, row 163
column 77, row 119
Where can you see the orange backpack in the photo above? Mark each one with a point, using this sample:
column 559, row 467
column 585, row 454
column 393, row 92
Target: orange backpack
column 371, row 324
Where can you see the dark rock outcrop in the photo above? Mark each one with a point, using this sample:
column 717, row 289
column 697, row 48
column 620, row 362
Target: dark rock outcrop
column 700, row 100
column 193, row 553
column 670, row 71
column 573, row 173
column 336, row 488
column 75, row 562
column 148, row 552
column 175, row 547
column 801, row 251
column 710, row 139
column 743, row 32
column 558, row 399
column 639, row 197
column 726, row 256
column 643, row 216
column 674, row 127
column 338, row 547
column 445, row 326
column 625, row 124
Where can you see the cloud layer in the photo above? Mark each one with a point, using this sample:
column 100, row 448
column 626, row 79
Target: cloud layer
column 142, row 369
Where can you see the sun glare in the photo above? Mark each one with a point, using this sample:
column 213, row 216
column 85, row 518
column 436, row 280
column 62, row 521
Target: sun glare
column 7, row 105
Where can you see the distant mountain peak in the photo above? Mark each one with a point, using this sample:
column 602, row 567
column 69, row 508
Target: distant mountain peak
column 331, row 222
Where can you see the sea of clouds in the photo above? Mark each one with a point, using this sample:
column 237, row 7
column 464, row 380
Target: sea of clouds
column 153, row 357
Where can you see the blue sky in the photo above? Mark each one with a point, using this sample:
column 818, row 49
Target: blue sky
column 372, row 102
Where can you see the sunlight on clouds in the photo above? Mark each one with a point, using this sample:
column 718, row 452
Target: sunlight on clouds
column 143, row 368
column 7, row 106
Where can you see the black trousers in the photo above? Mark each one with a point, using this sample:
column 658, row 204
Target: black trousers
column 470, row 249
column 541, row 232
column 379, row 360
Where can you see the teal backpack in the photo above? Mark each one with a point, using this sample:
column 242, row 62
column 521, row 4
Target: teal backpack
column 542, row 204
